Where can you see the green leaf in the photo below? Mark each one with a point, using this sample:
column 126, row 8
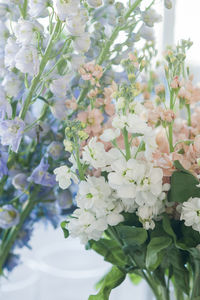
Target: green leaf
column 65, row 230
column 110, row 250
column 180, row 273
column 190, row 237
column 168, row 228
column 113, row 279
column 154, row 251
column 132, row 236
column 183, row 185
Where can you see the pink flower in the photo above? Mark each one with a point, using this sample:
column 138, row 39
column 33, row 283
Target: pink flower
column 93, row 120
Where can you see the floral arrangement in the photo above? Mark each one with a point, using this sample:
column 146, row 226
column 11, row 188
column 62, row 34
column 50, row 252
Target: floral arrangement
column 56, row 58
column 135, row 157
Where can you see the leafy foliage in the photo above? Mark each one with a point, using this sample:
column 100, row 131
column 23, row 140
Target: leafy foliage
column 113, row 279
column 183, row 185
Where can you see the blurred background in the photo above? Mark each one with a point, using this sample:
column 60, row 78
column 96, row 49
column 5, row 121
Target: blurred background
column 62, row 269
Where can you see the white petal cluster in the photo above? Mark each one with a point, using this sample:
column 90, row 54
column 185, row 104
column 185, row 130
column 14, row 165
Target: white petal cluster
column 150, row 17
column 38, row 8
column 11, row 49
column 66, row 8
column 64, row 176
column 26, row 31
column 21, row 51
column 95, row 154
column 97, row 209
column 60, row 85
column 27, row 60
column 137, row 180
column 11, row 84
column 190, row 213
column 110, row 135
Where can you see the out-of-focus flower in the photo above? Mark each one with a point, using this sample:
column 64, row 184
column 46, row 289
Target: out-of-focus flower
column 11, row 132
column 9, row 216
column 95, row 3
column 55, row 149
column 20, row 182
column 41, row 176
column 27, row 60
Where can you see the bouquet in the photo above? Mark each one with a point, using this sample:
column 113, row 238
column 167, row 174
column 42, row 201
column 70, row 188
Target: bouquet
column 135, row 157
column 52, row 53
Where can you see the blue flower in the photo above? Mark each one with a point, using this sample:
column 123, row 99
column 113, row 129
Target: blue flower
column 41, row 176
column 3, row 164
column 9, row 216
column 12, row 261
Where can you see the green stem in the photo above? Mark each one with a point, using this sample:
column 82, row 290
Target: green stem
column 37, row 78
column 189, row 114
column 171, row 147
column 79, row 165
column 7, row 245
column 105, row 50
column 126, row 144
column 196, row 281
column 148, row 278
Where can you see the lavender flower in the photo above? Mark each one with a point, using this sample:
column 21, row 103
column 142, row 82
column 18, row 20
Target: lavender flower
column 11, row 132
column 55, row 150
column 41, row 176
column 9, row 216
column 3, row 164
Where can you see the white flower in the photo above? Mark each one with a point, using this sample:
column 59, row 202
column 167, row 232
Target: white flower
column 27, row 60
column 95, row 3
column 190, row 213
column 60, row 85
column 82, row 43
column 110, row 135
column 77, row 60
column 119, row 121
column 11, row 49
column 136, row 180
column 76, row 25
column 64, row 177
column 66, row 8
column 134, row 124
column 59, row 109
column 95, row 154
column 25, row 31
column 86, row 226
column 93, row 193
column 38, row 8
column 147, row 33
column 150, row 17
column 11, row 84
column 97, row 209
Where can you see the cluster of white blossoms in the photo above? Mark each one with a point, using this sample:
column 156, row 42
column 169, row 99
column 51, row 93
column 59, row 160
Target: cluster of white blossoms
column 76, row 19
column 131, row 184
column 190, row 213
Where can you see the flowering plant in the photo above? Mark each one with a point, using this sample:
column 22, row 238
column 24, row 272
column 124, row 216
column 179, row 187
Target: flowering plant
column 135, row 155
column 47, row 54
